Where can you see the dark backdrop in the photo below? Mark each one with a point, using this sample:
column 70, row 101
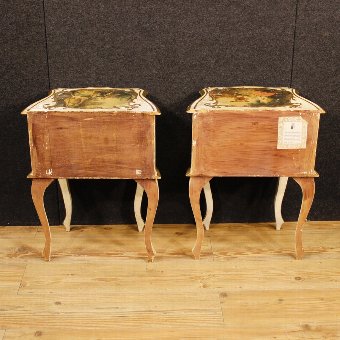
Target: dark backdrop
column 172, row 49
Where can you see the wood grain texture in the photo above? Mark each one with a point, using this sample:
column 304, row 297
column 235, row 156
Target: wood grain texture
column 39, row 185
column 245, row 144
column 115, row 306
column 10, row 275
column 254, row 291
column 198, row 332
column 151, row 188
column 92, row 145
column 196, row 184
column 284, row 312
column 307, row 186
column 17, row 232
column 120, row 332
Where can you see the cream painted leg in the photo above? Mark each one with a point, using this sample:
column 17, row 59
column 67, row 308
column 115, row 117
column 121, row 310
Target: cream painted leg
column 137, row 207
column 210, row 205
column 65, row 191
column 278, row 201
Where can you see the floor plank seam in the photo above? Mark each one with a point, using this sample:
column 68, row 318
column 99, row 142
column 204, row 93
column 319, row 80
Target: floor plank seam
column 220, row 300
column 22, row 277
column 211, row 248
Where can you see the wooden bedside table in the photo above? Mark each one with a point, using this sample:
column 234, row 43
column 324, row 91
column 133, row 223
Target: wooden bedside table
column 250, row 132
column 95, row 133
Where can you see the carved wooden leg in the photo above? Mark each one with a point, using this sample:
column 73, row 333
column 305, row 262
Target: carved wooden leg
column 137, row 207
column 151, row 188
column 196, row 185
column 307, row 185
column 210, row 205
column 278, row 201
column 38, row 188
column 65, row 191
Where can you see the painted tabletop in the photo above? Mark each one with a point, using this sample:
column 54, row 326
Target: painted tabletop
column 93, row 99
column 251, row 98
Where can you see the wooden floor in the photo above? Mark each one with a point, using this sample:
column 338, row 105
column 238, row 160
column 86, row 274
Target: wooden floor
column 100, row 286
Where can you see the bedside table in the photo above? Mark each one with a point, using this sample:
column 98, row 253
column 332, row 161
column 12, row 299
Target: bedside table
column 251, row 132
column 94, row 133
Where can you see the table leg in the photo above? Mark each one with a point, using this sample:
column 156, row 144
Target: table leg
column 38, row 188
column 65, row 191
column 278, row 201
column 307, row 185
column 210, row 205
column 151, row 188
column 196, row 185
column 137, row 207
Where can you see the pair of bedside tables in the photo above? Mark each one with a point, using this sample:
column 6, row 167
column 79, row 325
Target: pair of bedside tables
column 109, row 133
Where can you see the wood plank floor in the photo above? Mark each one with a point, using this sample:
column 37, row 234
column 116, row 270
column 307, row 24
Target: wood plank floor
column 99, row 285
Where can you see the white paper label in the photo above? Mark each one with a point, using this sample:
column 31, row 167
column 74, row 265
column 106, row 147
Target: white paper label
column 292, row 133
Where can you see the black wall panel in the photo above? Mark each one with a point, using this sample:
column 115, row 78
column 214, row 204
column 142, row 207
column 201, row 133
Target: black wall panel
column 172, row 49
column 315, row 73
column 23, row 79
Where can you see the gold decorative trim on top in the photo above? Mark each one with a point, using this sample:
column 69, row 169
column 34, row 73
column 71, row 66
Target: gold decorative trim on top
column 95, row 99
column 251, row 97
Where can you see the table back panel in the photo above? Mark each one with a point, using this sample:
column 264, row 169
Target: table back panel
column 92, row 145
column 245, row 144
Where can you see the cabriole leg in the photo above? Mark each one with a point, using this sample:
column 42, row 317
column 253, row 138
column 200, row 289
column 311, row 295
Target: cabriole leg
column 278, row 201
column 307, row 185
column 210, row 205
column 151, row 188
column 137, row 207
column 38, row 188
column 196, row 185
column 65, row 191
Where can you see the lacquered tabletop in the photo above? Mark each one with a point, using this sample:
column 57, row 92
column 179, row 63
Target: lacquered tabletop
column 251, row 97
column 95, row 99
